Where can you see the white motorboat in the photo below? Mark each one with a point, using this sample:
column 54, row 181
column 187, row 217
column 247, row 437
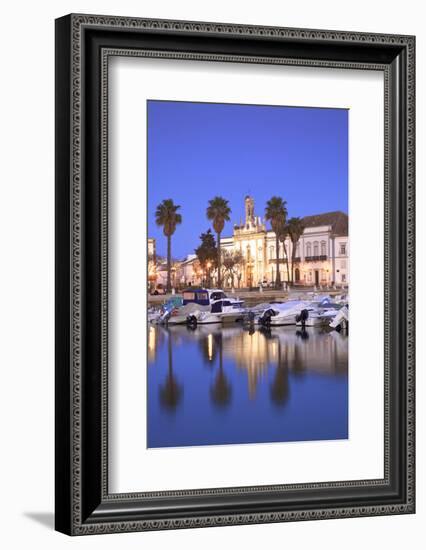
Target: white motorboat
column 341, row 319
column 159, row 314
column 180, row 315
column 316, row 317
column 321, row 311
column 153, row 315
column 285, row 313
column 203, row 306
column 226, row 310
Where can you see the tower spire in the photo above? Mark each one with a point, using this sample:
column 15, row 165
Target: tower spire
column 249, row 210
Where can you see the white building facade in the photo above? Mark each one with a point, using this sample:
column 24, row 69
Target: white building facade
column 322, row 253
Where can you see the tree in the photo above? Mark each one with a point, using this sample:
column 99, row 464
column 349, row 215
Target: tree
column 207, row 253
column 295, row 229
column 167, row 217
column 283, row 237
column 232, row 260
column 218, row 212
column 276, row 213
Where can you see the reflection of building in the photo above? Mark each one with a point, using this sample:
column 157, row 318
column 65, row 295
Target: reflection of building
column 152, row 343
column 251, row 352
column 326, row 354
column 262, row 358
column 322, row 255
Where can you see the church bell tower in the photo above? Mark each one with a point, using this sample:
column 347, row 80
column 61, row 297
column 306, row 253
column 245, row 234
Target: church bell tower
column 249, row 207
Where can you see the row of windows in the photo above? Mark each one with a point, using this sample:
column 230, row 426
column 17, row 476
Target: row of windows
column 311, row 249
column 323, row 244
column 316, row 249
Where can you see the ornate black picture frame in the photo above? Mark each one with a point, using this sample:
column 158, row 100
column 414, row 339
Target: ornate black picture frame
column 83, row 45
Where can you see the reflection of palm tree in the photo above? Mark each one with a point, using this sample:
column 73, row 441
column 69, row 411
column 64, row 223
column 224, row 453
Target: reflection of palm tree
column 280, row 388
column 221, row 391
column 299, row 366
column 171, row 392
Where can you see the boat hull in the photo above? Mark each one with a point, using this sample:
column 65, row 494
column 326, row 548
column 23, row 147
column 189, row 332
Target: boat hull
column 283, row 321
column 209, row 319
column 177, row 320
column 231, row 317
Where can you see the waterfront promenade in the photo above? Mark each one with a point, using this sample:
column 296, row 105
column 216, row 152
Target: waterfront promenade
column 254, row 296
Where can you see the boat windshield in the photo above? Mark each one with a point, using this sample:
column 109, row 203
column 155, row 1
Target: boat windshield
column 217, row 296
column 198, row 296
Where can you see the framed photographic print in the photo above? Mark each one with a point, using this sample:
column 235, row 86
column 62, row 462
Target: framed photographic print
column 227, row 197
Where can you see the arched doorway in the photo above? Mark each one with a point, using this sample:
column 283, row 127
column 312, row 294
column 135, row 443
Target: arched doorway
column 297, row 274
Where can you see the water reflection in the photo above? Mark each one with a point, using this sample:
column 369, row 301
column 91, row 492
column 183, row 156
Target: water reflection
column 221, row 390
column 280, row 388
column 171, row 391
column 230, row 385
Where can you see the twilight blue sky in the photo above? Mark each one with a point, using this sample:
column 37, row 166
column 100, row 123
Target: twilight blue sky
column 199, row 150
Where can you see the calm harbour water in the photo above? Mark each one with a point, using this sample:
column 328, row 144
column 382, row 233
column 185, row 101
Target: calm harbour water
column 226, row 385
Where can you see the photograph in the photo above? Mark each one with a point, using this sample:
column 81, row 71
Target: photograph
column 228, row 196
column 248, row 270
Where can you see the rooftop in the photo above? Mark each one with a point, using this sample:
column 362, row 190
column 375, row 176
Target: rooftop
column 337, row 220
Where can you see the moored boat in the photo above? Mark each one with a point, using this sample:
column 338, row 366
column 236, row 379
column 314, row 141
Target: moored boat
column 222, row 311
column 204, row 306
column 285, row 313
column 341, row 319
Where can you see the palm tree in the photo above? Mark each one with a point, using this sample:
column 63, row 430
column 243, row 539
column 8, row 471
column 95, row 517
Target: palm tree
column 295, row 230
column 218, row 212
column 283, row 236
column 167, row 217
column 276, row 213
